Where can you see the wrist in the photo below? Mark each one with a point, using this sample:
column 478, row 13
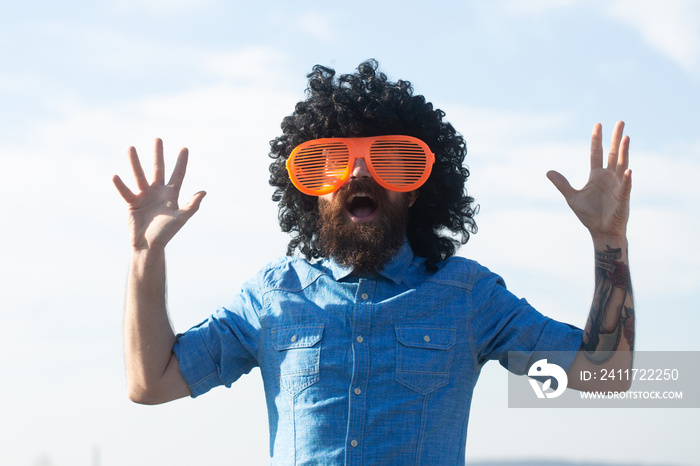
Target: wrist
column 601, row 242
column 147, row 256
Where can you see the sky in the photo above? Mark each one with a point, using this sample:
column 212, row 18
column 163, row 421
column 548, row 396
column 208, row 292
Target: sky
column 524, row 82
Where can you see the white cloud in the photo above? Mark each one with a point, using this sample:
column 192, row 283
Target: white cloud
column 317, row 25
column 672, row 26
column 257, row 63
column 310, row 26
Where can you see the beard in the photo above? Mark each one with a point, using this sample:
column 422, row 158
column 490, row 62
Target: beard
column 365, row 246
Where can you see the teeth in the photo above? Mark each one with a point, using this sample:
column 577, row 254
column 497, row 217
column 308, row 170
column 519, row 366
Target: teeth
column 356, row 195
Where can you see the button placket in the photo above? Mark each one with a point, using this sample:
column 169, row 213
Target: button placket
column 361, row 324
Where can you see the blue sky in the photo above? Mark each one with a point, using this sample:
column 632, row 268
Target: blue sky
column 523, row 81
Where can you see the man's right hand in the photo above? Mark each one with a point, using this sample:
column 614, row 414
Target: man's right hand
column 154, row 215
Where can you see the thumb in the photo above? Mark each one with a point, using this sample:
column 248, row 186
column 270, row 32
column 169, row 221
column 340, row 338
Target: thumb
column 561, row 183
column 193, row 205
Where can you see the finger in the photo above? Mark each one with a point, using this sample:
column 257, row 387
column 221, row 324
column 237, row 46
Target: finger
column 158, row 163
column 141, row 180
column 180, row 169
column 562, row 184
column 623, row 159
column 125, row 192
column 615, row 145
column 597, row 146
column 626, row 187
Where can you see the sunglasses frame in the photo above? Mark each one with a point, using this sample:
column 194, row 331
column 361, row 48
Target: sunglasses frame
column 358, row 148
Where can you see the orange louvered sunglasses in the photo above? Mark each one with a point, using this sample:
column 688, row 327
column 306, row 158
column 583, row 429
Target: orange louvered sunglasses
column 397, row 163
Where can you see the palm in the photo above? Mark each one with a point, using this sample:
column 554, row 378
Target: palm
column 602, row 204
column 154, row 215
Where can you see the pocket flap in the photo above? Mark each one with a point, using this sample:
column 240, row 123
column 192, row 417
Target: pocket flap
column 297, row 336
column 426, row 337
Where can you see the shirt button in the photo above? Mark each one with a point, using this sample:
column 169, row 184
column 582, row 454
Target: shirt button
column 353, row 443
column 358, row 391
column 294, row 338
column 426, row 338
column 364, row 296
column 360, row 339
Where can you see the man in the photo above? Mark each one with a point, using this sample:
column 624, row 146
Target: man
column 370, row 344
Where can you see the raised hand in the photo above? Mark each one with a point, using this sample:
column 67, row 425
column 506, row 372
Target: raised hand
column 602, row 204
column 154, row 215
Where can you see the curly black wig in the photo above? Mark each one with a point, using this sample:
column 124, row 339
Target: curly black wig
column 367, row 104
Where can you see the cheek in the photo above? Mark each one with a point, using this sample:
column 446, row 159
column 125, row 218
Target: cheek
column 402, row 199
column 327, row 206
column 327, row 198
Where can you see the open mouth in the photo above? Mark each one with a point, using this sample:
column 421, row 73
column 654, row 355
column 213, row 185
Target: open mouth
column 361, row 206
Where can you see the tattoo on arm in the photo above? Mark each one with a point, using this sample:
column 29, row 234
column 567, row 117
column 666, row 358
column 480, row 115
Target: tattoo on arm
column 610, row 318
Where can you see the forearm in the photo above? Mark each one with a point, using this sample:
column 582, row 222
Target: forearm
column 608, row 338
column 610, row 325
column 148, row 335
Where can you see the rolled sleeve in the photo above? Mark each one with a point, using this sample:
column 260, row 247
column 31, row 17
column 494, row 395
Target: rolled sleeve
column 558, row 343
column 196, row 365
column 510, row 330
column 224, row 347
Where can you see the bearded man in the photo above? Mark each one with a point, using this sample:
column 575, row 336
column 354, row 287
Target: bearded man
column 370, row 334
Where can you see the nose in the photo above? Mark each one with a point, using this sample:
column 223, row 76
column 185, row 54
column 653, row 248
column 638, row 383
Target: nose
column 360, row 169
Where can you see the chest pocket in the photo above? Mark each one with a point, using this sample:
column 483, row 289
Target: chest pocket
column 298, row 352
column 424, row 357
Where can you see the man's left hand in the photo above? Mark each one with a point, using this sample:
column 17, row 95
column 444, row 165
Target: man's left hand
column 602, row 204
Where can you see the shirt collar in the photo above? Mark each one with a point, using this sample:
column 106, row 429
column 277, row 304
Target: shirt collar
column 394, row 270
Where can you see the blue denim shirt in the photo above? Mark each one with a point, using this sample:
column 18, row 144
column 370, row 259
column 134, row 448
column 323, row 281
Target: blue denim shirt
column 368, row 370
